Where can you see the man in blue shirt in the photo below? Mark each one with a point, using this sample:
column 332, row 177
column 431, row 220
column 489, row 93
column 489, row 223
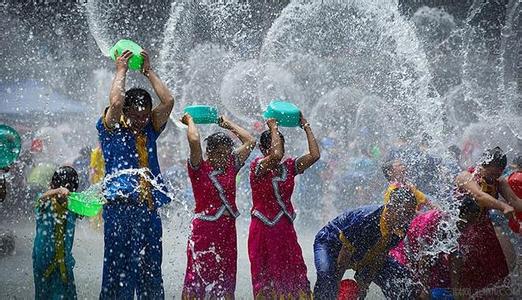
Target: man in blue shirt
column 360, row 239
column 133, row 186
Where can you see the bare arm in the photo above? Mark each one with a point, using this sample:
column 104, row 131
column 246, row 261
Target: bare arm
column 161, row 113
column 117, row 93
column 307, row 160
column 275, row 154
column 196, row 154
column 465, row 181
column 510, row 196
column 247, row 140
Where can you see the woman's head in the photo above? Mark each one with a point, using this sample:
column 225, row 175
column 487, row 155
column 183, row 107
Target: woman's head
column 493, row 162
column 265, row 141
column 65, row 177
column 219, row 147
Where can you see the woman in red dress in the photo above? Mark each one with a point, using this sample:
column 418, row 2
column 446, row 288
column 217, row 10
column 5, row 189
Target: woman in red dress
column 277, row 265
column 212, row 245
column 483, row 262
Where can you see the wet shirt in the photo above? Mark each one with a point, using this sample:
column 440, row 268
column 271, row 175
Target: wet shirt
column 54, row 238
column 364, row 232
column 214, row 190
column 124, row 150
column 272, row 192
column 419, row 196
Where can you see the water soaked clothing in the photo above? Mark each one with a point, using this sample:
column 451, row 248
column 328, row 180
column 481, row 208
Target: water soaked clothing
column 276, row 260
column 132, row 226
column 363, row 234
column 484, row 262
column 53, row 262
column 212, row 245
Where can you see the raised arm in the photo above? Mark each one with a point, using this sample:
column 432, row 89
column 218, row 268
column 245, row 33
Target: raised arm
column 307, row 160
column 196, row 154
column 247, row 140
column 510, row 196
column 465, row 181
column 117, row 93
column 161, row 113
column 275, row 153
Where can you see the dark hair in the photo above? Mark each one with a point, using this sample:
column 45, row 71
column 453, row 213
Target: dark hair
column 402, row 197
column 494, row 158
column 468, row 208
column 65, row 177
column 387, row 167
column 265, row 141
column 218, row 139
column 137, row 97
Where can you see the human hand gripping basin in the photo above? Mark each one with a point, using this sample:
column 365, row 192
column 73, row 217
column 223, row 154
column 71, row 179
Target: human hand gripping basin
column 136, row 60
column 202, row 114
column 286, row 113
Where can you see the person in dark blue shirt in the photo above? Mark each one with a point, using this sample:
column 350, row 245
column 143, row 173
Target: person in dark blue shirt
column 133, row 186
column 360, row 239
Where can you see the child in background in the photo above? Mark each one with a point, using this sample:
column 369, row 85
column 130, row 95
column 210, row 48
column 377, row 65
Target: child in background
column 395, row 173
column 53, row 262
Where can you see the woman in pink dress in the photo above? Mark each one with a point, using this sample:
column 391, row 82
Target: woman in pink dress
column 212, row 245
column 483, row 262
column 276, row 261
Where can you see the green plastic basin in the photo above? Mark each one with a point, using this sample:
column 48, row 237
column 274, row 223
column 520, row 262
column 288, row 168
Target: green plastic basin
column 84, row 204
column 136, row 60
column 10, row 145
column 286, row 113
column 202, row 114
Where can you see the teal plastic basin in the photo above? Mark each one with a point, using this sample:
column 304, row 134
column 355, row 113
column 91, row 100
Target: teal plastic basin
column 286, row 113
column 202, row 114
column 10, row 145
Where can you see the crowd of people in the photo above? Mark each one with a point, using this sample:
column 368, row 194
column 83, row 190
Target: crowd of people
column 388, row 244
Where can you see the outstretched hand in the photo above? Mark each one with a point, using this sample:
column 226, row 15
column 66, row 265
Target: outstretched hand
column 122, row 62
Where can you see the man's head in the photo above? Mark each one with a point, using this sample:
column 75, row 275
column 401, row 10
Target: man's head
column 401, row 208
column 65, row 177
column 137, row 108
column 219, row 147
column 394, row 170
column 493, row 163
column 265, row 141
